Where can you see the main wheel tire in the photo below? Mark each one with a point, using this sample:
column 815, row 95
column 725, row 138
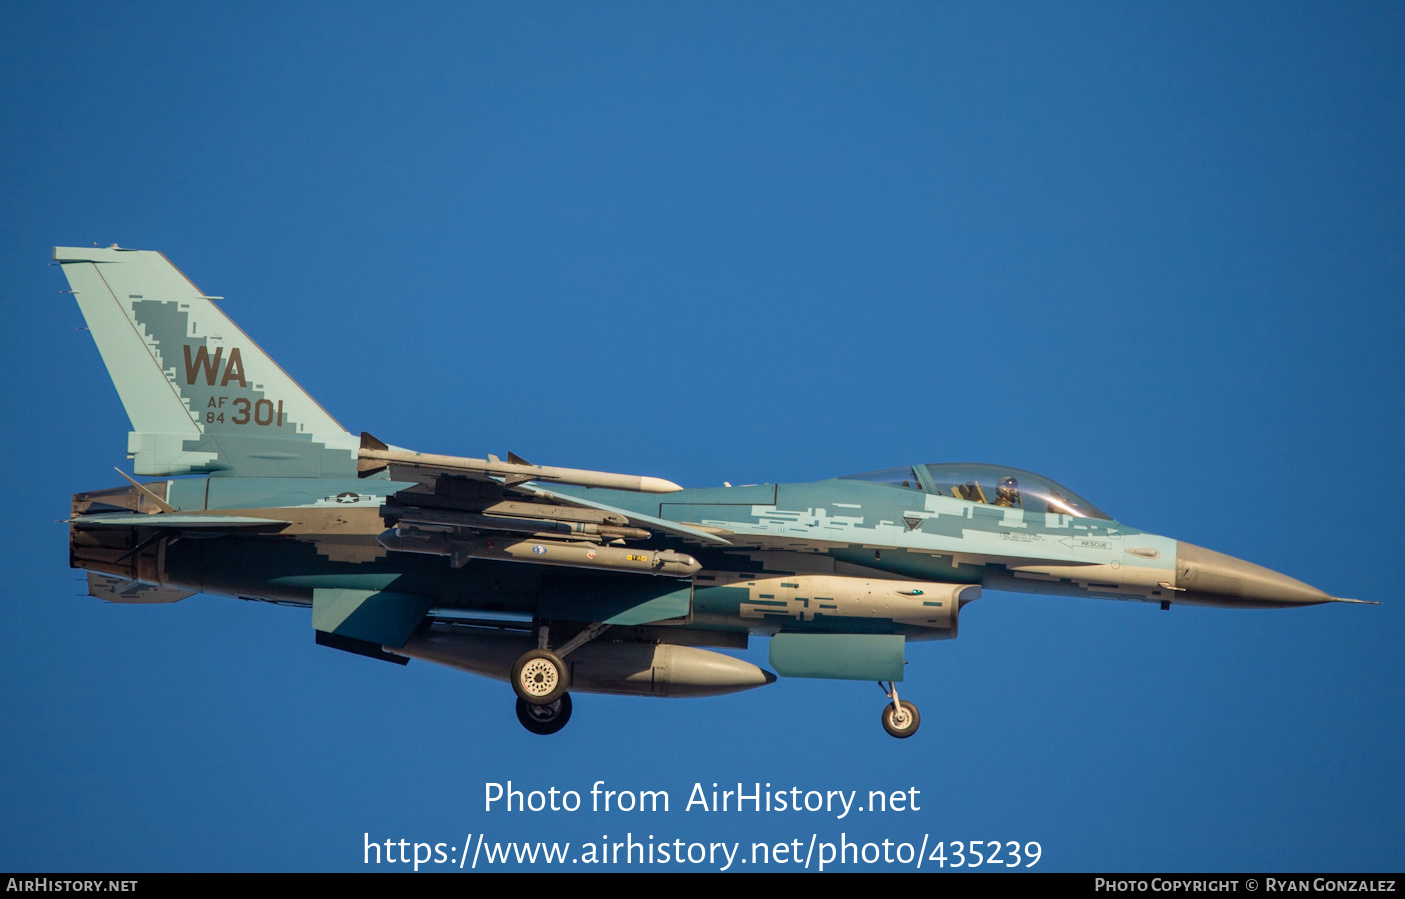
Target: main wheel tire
column 545, row 719
column 540, row 677
column 901, row 722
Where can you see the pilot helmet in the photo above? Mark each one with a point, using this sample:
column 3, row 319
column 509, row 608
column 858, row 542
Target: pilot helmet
column 1008, row 492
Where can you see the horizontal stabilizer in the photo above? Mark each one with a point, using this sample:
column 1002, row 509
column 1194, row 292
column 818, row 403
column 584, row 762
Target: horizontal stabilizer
column 124, row 590
column 359, row 647
column 176, row 520
column 375, row 616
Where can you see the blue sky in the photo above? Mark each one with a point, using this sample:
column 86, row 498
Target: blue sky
column 1153, row 253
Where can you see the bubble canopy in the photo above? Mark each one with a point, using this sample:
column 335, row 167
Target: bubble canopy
column 995, row 485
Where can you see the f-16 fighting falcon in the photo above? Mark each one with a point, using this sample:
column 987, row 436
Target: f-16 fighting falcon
column 560, row 579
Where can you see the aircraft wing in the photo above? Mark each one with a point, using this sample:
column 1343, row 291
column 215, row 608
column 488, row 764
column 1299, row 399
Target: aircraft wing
column 490, row 509
column 639, row 519
column 459, row 504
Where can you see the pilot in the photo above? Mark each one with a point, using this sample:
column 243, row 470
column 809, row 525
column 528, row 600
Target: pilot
column 1008, row 493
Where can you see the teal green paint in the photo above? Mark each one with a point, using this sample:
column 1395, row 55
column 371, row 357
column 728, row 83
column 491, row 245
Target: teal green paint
column 755, row 495
column 208, row 389
column 255, row 493
column 339, row 581
column 379, row 617
column 838, row 656
column 186, row 494
column 720, row 607
column 627, row 600
column 663, row 608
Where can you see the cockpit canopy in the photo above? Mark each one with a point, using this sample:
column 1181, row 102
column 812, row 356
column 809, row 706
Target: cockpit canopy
column 996, row 485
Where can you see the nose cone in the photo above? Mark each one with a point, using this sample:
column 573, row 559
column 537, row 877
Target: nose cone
column 1215, row 579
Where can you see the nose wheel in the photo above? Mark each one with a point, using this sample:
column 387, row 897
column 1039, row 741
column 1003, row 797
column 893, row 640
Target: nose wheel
column 900, row 717
column 545, row 719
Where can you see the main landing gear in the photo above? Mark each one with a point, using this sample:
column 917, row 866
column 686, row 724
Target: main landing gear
column 545, row 719
column 540, row 679
column 900, row 718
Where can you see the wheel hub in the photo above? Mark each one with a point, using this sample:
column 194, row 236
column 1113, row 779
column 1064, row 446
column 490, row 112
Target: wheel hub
column 539, row 677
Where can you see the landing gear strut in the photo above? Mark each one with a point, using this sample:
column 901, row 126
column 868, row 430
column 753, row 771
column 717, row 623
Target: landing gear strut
column 540, row 679
column 900, row 718
column 545, row 719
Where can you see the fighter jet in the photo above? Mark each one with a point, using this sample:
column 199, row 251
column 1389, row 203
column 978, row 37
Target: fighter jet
column 561, row 579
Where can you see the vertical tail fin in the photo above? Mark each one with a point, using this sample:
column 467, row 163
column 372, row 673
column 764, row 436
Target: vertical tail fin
column 202, row 396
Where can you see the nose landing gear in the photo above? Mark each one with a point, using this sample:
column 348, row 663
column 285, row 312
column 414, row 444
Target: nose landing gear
column 900, row 717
